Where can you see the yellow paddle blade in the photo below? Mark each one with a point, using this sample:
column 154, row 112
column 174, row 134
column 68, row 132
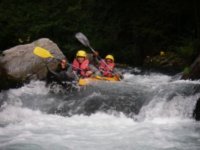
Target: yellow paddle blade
column 41, row 52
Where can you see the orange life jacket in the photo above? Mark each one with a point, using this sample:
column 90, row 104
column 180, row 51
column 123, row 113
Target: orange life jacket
column 106, row 69
column 81, row 68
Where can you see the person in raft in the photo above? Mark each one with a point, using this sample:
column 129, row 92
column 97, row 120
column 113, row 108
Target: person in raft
column 60, row 74
column 81, row 65
column 107, row 67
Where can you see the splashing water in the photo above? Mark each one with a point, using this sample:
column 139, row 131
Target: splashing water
column 141, row 112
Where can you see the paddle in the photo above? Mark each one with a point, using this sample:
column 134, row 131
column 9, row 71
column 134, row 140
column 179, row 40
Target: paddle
column 84, row 40
column 44, row 53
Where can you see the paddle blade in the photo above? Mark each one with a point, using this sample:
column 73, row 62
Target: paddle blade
column 41, row 52
column 83, row 39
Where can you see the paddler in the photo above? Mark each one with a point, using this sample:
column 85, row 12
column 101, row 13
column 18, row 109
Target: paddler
column 81, row 65
column 107, row 67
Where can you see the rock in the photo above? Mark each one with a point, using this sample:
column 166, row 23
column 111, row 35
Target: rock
column 19, row 64
column 196, row 113
column 193, row 72
column 165, row 62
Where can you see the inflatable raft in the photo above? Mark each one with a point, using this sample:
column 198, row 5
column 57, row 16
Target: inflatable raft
column 86, row 81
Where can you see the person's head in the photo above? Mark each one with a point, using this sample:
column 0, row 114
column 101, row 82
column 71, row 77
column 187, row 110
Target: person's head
column 63, row 63
column 80, row 56
column 109, row 59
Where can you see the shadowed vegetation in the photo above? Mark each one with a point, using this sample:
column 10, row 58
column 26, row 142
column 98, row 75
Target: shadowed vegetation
column 131, row 30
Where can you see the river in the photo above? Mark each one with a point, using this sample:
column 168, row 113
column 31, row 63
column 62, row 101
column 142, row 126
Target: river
column 142, row 112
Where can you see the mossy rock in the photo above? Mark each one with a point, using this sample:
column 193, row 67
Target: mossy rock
column 168, row 61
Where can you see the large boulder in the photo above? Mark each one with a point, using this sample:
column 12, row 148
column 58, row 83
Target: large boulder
column 19, row 63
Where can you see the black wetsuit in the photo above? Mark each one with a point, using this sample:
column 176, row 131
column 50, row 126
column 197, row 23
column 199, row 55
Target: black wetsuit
column 60, row 76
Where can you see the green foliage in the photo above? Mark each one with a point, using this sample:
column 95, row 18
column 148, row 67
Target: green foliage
column 130, row 30
column 186, row 70
column 188, row 50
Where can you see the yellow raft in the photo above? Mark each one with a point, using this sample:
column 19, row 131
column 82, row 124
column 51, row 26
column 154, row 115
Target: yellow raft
column 86, row 81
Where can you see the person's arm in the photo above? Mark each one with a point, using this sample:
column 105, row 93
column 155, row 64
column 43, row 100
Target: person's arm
column 118, row 73
column 61, row 75
column 96, row 58
column 52, row 72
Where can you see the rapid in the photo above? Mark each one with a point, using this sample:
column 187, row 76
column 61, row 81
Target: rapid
column 144, row 111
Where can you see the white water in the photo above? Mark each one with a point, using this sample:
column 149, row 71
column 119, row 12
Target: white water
column 163, row 123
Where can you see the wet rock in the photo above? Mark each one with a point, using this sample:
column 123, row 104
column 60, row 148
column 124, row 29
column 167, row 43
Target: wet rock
column 19, row 64
column 193, row 72
column 6, row 81
column 196, row 113
column 165, row 62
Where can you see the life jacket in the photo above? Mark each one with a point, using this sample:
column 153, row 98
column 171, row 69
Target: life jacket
column 106, row 69
column 81, row 68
